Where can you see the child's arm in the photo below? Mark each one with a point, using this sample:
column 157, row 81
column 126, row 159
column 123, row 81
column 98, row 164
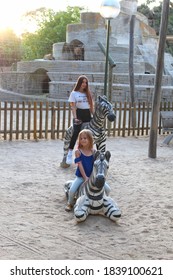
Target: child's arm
column 82, row 171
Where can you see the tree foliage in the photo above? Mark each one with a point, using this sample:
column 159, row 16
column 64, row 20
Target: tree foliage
column 154, row 19
column 51, row 29
column 10, row 48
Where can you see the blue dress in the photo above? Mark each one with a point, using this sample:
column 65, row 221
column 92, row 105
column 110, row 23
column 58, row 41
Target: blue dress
column 87, row 162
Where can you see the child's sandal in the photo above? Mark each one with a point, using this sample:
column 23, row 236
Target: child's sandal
column 68, row 207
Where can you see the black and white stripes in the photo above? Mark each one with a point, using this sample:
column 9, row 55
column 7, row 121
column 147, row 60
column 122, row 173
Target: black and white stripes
column 103, row 109
column 92, row 198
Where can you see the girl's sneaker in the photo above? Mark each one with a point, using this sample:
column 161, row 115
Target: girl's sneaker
column 69, row 159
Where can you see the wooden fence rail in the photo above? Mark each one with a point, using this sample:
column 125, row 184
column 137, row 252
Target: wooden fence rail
column 40, row 120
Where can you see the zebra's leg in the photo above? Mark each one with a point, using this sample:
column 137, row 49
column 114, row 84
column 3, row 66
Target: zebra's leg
column 81, row 209
column 107, row 188
column 67, row 139
column 110, row 209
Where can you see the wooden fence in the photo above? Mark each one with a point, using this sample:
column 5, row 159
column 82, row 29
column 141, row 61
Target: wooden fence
column 40, row 120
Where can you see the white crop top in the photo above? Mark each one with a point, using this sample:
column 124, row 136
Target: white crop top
column 80, row 99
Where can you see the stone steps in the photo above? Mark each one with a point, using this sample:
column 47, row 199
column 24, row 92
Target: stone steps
column 61, row 90
column 139, row 79
column 76, row 66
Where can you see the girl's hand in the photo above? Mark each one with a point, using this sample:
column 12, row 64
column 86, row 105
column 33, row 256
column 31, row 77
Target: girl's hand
column 76, row 121
column 86, row 179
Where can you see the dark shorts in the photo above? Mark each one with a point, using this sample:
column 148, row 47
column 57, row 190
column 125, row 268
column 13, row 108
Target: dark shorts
column 83, row 114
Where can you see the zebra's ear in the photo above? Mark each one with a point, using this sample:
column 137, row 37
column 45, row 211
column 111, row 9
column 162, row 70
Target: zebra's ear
column 96, row 154
column 107, row 155
column 104, row 97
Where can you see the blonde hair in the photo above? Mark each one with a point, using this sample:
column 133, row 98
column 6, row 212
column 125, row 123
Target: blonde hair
column 89, row 135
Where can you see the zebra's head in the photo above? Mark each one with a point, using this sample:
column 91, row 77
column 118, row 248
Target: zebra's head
column 104, row 108
column 100, row 168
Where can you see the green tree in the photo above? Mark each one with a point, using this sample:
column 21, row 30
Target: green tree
column 154, row 20
column 153, row 15
column 10, row 48
column 51, row 29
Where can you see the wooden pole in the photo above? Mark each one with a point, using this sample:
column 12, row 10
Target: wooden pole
column 158, row 80
column 131, row 67
column 35, row 120
column 131, row 57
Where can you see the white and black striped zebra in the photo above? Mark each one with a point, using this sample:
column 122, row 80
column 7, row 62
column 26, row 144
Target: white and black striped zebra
column 103, row 109
column 91, row 197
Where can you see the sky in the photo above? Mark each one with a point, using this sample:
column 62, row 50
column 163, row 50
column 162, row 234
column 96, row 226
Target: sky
column 12, row 10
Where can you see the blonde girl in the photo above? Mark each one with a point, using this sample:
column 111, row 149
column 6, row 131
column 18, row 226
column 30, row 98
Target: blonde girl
column 84, row 158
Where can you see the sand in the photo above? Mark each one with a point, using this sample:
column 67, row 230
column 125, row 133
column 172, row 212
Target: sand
column 34, row 224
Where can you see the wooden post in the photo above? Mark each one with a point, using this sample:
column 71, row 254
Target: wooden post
column 158, row 80
column 131, row 67
column 35, row 120
column 11, row 120
column 131, row 57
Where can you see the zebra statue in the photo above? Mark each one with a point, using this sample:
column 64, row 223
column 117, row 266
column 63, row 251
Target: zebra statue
column 103, row 109
column 91, row 197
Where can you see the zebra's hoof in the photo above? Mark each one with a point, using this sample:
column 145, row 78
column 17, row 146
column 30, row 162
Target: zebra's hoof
column 64, row 165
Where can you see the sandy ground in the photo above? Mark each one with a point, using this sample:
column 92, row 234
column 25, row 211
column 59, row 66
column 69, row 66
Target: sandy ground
column 34, row 224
